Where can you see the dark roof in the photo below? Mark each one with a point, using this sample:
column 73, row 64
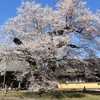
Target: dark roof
column 76, row 67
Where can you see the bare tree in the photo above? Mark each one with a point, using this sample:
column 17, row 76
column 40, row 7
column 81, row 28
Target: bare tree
column 40, row 36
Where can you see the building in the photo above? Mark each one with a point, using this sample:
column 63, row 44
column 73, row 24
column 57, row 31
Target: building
column 74, row 71
column 8, row 72
column 67, row 71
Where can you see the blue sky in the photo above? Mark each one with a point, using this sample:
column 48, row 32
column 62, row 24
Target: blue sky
column 8, row 7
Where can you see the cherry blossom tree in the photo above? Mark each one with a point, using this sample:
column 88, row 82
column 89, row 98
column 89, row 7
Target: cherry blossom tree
column 42, row 36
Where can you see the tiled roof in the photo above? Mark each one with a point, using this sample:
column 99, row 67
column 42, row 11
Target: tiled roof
column 14, row 65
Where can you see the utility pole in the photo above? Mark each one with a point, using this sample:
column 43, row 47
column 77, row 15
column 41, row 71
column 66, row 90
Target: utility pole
column 4, row 80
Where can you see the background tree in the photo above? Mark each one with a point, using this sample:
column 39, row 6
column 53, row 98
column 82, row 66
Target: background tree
column 41, row 36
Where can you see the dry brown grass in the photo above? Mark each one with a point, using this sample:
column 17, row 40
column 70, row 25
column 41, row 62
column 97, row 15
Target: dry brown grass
column 13, row 98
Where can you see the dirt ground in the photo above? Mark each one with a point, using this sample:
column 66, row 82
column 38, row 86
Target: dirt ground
column 13, row 98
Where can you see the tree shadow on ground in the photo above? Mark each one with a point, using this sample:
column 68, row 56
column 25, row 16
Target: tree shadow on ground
column 75, row 95
column 57, row 95
column 61, row 94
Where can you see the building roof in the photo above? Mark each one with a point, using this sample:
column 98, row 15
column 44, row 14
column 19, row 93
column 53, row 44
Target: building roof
column 13, row 65
column 88, row 67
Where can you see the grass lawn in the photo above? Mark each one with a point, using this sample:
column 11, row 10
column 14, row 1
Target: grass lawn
column 48, row 96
